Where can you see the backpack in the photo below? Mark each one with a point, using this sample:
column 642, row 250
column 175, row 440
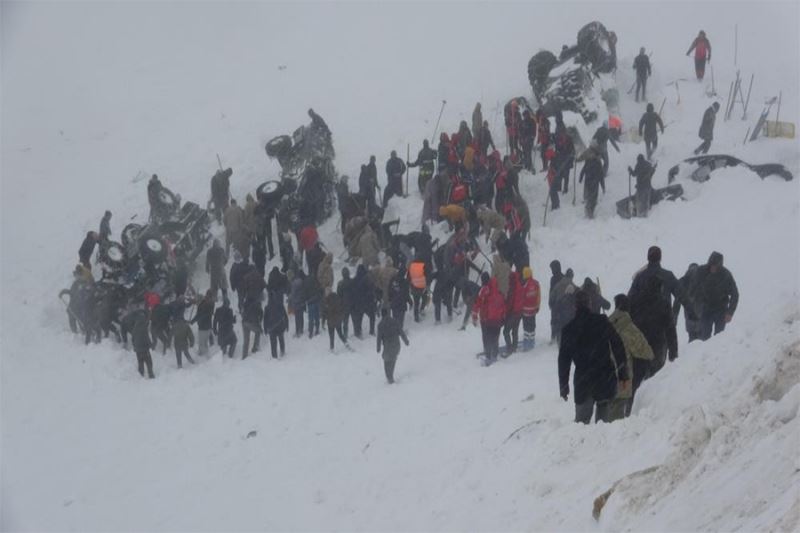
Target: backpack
column 458, row 194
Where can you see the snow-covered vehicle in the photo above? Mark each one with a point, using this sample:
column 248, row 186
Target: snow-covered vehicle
column 700, row 168
column 308, row 176
column 577, row 79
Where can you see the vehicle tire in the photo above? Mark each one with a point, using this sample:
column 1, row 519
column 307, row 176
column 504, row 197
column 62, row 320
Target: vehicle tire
column 278, row 146
column 539, row 70
column 152, row 249
column 130, row 234
column 270, row 191
column 596, row 46
column 113, row 254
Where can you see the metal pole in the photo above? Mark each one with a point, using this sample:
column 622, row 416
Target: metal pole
column 408, row 158
column 435, row 129
column 735, row 44
column 574, row 180
column 747, row 102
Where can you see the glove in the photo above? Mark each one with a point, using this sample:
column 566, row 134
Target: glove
column 565, row 392
column 672, row 355
column 728, row 317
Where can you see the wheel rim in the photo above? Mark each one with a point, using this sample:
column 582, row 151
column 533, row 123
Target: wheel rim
column 154, row 245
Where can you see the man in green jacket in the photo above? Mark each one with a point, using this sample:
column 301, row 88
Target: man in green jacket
column 639, row 355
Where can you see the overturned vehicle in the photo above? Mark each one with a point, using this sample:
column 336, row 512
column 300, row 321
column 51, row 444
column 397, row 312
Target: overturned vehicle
column 579, row 79
column 308, row 176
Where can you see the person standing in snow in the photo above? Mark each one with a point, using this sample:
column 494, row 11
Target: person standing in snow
column 87, row 249
column 514, row 304
column 531, row 299
column 141, row 345
column 220, row 192
column 687, row 287
column 233, row 219
column 639, row 354
column 641, row 64
column 388, row 338
column 238, row 270
column 215, row 267
column 564, row 303
column 527, row 134
column 556, row 275
column 183, row 339
column 600, row 142
column 252, row 315
column 652, row 314
column 426, row 161
column 702, row 53
column 643, row 172
column 653, row 268
column 395, row 168
column 477, row 121
column 297, row 300
column 203, row 319
column 707, row 129
column 335, row 316
column 647, row 125
column 717, row 296
column 224, row 319
column 105, row 228
column 588, row 342
column 276, row 322
column 595, row 178
column 490, row 307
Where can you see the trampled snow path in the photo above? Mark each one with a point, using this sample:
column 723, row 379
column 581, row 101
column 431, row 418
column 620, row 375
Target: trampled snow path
column 88, row 445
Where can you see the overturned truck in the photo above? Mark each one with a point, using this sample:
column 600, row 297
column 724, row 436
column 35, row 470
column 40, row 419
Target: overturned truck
column 308, row 176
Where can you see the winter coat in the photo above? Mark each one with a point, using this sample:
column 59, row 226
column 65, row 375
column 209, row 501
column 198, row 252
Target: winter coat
column 596, row 300
column 314, row 257
column 312, row 290
column 717, row 294
column 399, row 294
column 86, row 249
column 485, row 140
column 220, row 186
column 477, row 120
column 648, row 124
column 237, row 274
column 362, row 292
column 297, row 298
column 593, row 172
column 367, row 247
column 636, row 345
column 140, row 338
column 249, row 215
column 564, row 302
column 490, row 305
column 395, row 168
column 224, row 319
column 254, row 284
column 275, row 319
column 687, row 287
column 454, row 214
column 531, row 297
column 233, row 219
column 426, row 159
column 588, row 341
column 215, row 261
column 381, row 277
column 641, row 64
column 516, row 295
column 252, row 314
column 707, row 125
column 388, row 337
column 501, row 270
column 652, row 314
column 325, row 273
column 701, row 47
column 333, row 310
column 669, row 284
column 491, row 220
column 182, row 335
column 643, row 171
column 205, row 310
column 277, row 283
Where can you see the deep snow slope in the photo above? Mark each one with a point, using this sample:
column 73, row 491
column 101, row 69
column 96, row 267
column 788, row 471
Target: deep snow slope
column 95, row 94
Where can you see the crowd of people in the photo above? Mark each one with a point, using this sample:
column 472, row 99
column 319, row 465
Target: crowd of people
column 472, row 192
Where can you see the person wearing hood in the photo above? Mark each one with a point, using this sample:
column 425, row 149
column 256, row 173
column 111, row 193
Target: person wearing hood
column 652, row 314
column 389, row 334
column 215, row 267
column 531, row 300
column 641, row 64
column 643, row 172
column 702, row 53
column 87, row 249
column 597, row 303
column 564, row 303
column 183, row 339
column 395, row 168
column 275, row 323
column 588, row 341
column 362, row 300
column 717, row 296
column 707, row 129
column 638, row 352
column 556, row 275
column 595, row 178
column 278, row 283
column 297, row 300
column 325, row 273
column 239, row 268
column 649, row 125
column 490, row 307
column 224, row 320
column 687, row 286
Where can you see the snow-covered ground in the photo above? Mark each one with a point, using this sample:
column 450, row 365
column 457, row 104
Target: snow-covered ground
column 94, row 94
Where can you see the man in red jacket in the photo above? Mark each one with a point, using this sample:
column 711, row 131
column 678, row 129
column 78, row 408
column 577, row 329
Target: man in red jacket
column 490, row 307
column 531, row 298
column 702, row 53
column 513, row 313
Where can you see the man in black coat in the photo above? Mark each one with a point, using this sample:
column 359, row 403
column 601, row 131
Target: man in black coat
column 652, row 314
column 87, row 249
column 687, row 287
column 224, row 319
column 160, row 325
column 643, row 172
column 595, row 178
column 220, row 192
column 426, row 161
column 586, row 341
column 343, row 289
column 215, row 266
column 641, row 64
column 141, row 345
column 362, row 301
column 276, row 323
column 252, row 315
column 648, row 125
column 389, row 334
column 717, row 296
column 239, row 268
column 203, row 316
column 105, row 227
column 669, row 283
column 707, row 128
column 601, row 139
column 555, row 269
column 395, row 168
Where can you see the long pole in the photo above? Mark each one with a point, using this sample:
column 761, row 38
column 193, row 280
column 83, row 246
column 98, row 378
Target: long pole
column 630, row 197
column 747, row 102
column 219, row 162
column 574, row 181
column 735, row 43
column 435, row 129
column 546, row 203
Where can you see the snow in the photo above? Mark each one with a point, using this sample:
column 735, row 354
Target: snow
column 94, row 95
